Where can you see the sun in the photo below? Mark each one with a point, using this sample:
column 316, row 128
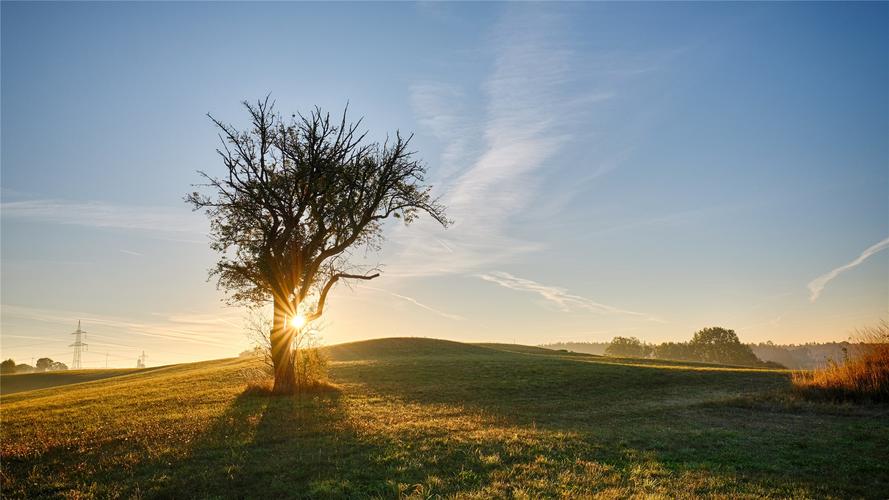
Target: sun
column 298, row 321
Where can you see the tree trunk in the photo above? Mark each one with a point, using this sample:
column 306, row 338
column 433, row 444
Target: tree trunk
column 282, row 352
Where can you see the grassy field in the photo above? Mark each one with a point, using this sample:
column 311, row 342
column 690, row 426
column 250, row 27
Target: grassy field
column 428, row 418
column 10, row 384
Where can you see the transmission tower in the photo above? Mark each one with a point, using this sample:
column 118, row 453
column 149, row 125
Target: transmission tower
column 140, row 361
column 78, row 346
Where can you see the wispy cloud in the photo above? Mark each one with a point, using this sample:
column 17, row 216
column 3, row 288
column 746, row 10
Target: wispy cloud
column 418, row 304
column 130, row 252
column 560, row 297
column 440, row 110
column 107, row 215
column 816, row 286
column 491, row 165
column 218, row 330
column 499, row 159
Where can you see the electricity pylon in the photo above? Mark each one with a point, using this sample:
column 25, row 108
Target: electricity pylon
column 78, row 346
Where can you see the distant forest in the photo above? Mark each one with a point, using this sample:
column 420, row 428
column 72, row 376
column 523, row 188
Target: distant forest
column 797, row 357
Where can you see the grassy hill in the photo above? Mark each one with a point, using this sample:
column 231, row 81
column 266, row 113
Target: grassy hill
column 422, row 417
column 12, row 383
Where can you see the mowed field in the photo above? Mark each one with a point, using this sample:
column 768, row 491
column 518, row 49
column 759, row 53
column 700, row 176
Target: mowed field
column 426, row 418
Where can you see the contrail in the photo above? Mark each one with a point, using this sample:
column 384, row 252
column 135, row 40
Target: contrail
column 818, row 284
column 417, row 303
column 564, row 300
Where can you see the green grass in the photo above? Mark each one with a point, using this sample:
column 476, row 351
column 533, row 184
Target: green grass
column 423, row 418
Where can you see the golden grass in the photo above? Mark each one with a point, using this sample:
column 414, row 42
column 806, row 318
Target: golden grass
column 863, row 376
column 264, row 387
column 19, row 382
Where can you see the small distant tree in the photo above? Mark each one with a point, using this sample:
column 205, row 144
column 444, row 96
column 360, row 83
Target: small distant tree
column 57, row 366
column 629, row 347
column 295, row 196
column 7, row 366
column 24, row 368
column 43, row 364
column 721, row 345
column 679, row 351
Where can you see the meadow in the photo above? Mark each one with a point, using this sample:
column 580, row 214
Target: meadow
column 427, row 418
column 31, row 381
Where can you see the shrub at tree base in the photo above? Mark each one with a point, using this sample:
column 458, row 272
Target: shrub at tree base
column 310, row 369
column 862, row 377
column 308, row 362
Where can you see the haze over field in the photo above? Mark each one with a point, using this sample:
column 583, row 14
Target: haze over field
column 611, row 169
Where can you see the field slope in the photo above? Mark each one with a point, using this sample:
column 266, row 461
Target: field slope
column 423, row 417
column 10, row 384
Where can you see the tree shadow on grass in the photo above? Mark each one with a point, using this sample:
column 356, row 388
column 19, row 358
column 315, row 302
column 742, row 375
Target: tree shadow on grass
column 682, row 422
column 305, row 446
column 434, row 428
column 261, row 444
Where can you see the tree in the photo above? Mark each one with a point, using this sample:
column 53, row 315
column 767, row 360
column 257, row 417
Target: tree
column 627, row 347
column 7, row 366
column 295, row 197
column 57, row 366
column 24, row 368
column 43, row 364
column 679, row 351
column 721, row 345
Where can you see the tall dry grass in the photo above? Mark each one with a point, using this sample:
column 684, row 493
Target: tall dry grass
column 309, row 360
column 310, row 369
column 862, row 376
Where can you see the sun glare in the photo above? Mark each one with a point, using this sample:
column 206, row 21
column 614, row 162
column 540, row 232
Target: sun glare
column 298, row 321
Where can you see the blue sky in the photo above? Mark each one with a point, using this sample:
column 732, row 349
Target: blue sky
column 613, row 169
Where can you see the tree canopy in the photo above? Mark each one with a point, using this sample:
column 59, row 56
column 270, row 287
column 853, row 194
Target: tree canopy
column 295, row 196
column 7, row 366
column 630, row 347
column 721, row 345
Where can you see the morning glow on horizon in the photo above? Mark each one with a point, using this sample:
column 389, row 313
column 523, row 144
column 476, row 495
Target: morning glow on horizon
column 607, row 169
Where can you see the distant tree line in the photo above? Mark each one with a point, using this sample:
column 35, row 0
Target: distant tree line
column 803, row 356
column 597, row 348
column 807, row 356
column 42, row 365
column 710, row 345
